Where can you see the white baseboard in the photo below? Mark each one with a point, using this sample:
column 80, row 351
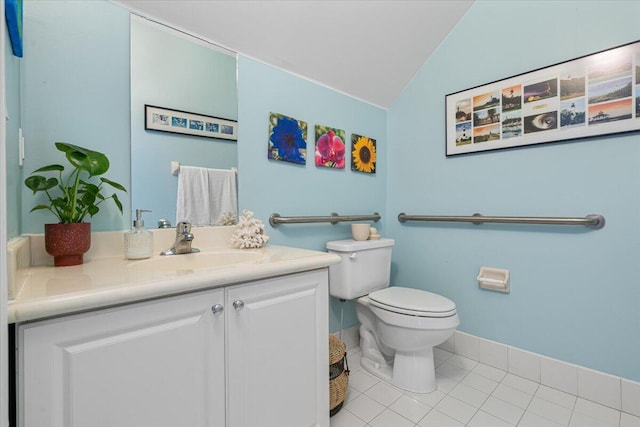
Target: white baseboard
column 350, row 337
column 615, row 392
column 609, row 390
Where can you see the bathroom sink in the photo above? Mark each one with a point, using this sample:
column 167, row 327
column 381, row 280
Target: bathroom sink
column 195, row 261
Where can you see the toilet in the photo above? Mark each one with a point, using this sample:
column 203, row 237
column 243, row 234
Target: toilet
column 398, row 326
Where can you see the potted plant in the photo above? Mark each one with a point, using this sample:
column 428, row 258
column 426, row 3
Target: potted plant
column 77, row 195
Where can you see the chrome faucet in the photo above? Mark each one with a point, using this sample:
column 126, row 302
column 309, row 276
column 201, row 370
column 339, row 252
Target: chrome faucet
column 164, row 223
column 182, row 245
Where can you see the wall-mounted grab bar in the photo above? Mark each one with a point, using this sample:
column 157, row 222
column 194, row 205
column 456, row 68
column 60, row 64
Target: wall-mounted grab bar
column 275, row 219
column 594, row 221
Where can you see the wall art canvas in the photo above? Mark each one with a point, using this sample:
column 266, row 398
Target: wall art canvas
column 184, row 122
column 14, row 18
column 287, row 139
column 593, row 95
column 330, row 149
column 363, row 154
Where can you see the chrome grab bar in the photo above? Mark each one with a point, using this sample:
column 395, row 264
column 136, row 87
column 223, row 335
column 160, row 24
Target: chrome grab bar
column 593, row 221
column 275, row 219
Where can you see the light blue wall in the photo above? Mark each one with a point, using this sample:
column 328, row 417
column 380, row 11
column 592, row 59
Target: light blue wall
column 268, row 186
column 12, row 97
column 575, row 292
column 75, row 75
column 175, row 72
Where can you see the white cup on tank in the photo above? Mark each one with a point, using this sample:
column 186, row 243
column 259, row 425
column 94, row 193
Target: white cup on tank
column 360, row 231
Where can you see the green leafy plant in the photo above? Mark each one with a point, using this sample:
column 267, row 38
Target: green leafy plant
column 78, row 196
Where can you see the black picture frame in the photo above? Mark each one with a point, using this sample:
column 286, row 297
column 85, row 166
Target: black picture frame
column 184, row 122
column 593, row 95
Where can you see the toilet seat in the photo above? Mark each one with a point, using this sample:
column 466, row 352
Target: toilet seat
column 413, row 302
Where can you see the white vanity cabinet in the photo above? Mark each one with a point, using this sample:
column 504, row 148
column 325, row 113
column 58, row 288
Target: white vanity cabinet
column 277, row 352
column 253, row 354
column 158, row 363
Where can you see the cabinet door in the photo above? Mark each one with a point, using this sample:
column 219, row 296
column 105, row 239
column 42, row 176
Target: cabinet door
column 159, row 363
column 277, row 352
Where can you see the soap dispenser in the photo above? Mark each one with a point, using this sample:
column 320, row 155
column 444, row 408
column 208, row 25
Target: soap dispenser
column 138, row 243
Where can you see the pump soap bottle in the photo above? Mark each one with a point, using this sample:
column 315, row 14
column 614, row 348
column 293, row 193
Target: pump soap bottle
column 138, row 243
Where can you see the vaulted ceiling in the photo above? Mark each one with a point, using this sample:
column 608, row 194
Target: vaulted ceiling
column 367, row 49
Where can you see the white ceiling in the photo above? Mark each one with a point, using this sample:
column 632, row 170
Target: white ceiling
column 367, row 49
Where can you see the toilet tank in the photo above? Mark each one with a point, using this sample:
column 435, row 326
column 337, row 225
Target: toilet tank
column 365, row 267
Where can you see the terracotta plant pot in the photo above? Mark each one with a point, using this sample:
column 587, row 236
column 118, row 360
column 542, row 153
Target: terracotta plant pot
column 67, row 242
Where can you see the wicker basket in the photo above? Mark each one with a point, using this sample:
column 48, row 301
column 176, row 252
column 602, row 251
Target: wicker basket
column 338, row 374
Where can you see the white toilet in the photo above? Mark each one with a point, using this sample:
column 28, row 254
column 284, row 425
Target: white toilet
column 398, row 326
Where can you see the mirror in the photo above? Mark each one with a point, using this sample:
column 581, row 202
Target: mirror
column 175, row 71
column 88, row 69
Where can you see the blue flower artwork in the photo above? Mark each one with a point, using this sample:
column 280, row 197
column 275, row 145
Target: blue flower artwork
column 287, row 139
column 14, row 17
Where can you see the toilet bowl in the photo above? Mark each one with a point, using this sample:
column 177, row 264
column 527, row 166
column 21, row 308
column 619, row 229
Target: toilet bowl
column 399, row 347
column 398, row 326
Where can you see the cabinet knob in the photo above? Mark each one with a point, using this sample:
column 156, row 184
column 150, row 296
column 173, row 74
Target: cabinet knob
column 217, row 309
column 238, row 305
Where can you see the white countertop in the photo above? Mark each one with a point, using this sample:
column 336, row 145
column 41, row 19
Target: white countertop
column 54, row 291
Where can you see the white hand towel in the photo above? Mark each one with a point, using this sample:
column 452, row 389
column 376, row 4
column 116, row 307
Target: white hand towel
column 205, row 195
column 223, row 193
column 193, row 196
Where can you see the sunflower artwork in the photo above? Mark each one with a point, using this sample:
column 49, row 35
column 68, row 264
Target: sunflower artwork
column 287, row 139
column 330, row 149
column 363, row 154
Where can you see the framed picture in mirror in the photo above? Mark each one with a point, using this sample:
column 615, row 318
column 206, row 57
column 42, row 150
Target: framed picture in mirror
column 183, row 122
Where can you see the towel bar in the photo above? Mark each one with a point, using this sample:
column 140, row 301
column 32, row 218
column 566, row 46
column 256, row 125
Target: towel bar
column 175, row 168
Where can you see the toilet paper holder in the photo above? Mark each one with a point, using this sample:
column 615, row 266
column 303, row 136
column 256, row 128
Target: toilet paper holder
column 494, row 279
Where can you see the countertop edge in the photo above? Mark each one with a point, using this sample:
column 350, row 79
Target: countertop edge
column 41, row 308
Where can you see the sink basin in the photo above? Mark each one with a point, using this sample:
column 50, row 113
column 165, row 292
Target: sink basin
column 196, row 261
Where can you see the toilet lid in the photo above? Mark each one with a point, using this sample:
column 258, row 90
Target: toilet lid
column 414, row 302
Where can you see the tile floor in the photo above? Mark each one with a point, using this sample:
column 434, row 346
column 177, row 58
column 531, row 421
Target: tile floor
column 469, row 394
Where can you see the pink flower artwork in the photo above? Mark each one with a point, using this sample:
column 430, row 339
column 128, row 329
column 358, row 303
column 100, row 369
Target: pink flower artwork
column 330, row 149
